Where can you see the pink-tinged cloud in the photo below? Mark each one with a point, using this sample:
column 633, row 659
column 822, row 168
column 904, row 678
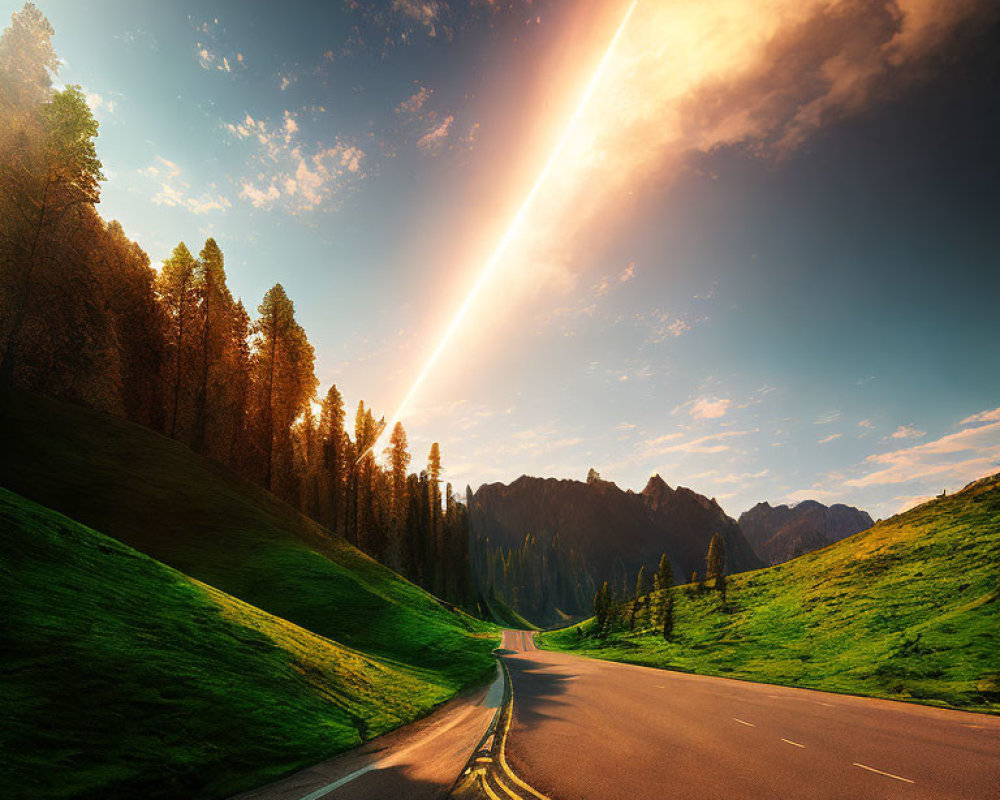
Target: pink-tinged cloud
column 965, row 455
column 710, row 408
column 415, row 102
column 290, row 176
column 435, row 138
column 705, row 445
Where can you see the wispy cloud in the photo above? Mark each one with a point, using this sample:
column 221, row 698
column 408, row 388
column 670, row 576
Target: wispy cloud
column 830, row 438
column 173, row 190
column 675, row 443
column 535, row 441
column 415, row 102
column 291, row 176
column 827, row 418
column 907, row 432
column 967, row 454
column 437, row 136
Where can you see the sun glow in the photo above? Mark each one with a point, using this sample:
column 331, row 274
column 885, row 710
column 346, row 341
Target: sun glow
column 693, row 76
column 512, row 230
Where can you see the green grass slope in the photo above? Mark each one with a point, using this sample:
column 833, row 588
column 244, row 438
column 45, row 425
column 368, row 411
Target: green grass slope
column 121, row 677
column 907, row 610
column 160, row 498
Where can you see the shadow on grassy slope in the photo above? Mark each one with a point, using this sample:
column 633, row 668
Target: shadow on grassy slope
column 124, row 678
column 907, row 610
column 155, row 495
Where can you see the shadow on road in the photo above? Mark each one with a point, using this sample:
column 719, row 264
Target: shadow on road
column 537, row 688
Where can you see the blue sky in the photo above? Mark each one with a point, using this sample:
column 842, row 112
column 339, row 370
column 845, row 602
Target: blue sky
column 758, row 303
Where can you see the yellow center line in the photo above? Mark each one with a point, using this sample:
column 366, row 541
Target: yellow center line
column 510, row 792
column 486, row 788
column 796, row 744
column 502, row 754
column 744, row 722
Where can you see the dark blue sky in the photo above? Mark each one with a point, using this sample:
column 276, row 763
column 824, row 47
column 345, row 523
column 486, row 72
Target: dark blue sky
column 814, row 320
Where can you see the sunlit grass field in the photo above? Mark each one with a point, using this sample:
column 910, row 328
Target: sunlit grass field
column 907, row 610
column 124, row 678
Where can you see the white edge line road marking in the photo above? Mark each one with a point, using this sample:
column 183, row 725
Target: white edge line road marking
column 880, row 772
column 382, row 762
column 744, row 722
column 796, row 744
column 337, row 784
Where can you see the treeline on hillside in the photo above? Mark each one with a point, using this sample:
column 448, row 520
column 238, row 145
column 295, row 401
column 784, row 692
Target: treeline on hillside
column 545, row 583
column 539, row 581
column 651, row 607
column 85, row 318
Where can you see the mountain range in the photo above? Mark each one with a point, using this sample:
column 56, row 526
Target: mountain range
column 781, row 533
column 613, row 531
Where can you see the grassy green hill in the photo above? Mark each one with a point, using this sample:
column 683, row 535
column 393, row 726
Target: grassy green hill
column 158, row 497
column 121, row 677
column 907, row 610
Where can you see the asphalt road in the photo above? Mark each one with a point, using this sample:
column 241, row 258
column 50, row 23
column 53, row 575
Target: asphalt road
column 584, row 729
column 417, row 762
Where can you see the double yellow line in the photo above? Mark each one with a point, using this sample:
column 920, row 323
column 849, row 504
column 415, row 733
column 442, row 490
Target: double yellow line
column 488, row 767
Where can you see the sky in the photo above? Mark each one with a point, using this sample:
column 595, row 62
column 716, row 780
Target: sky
column 765, row 262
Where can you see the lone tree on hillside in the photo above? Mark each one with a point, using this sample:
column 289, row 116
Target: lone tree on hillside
column 715, row 564
column 602, row 609
column 663, row 609
column 640, row 591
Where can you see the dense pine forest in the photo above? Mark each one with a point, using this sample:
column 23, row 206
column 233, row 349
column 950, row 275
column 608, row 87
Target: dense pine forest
column 85, row 317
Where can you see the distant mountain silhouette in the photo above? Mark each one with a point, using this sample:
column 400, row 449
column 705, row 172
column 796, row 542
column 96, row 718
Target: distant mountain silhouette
column 781, row 533
column 612, row 530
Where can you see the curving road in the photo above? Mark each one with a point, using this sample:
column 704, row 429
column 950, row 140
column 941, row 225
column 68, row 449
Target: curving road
column 417, row 762
column 584, row 729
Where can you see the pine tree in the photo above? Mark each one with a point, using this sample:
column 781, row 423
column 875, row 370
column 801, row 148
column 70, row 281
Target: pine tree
column 179, row 298
column 640, row 591
column 49, row 183
column 333, row 465
column 215, row 311
column 664, row 615
column 715, row 563
column 399, row 459
column 283, row 383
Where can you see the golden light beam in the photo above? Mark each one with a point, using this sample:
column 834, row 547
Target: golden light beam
column 494, row 260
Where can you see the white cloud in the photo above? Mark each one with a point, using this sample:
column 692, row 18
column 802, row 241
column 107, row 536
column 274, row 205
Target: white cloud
column 710, row 408
column 174, row 191
column 96, row 102
column 415, row 102
column 829, row 438
column 213, row 61
column 628, row 273
column 291, row 176
column 532, row 441
column 435, row 138
column 907, row 432
column 963, row 456
column 827, row 418
column 706, row 445
column 982, row 416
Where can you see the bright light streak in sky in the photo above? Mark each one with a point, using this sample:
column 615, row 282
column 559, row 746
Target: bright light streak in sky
column 515, row 224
